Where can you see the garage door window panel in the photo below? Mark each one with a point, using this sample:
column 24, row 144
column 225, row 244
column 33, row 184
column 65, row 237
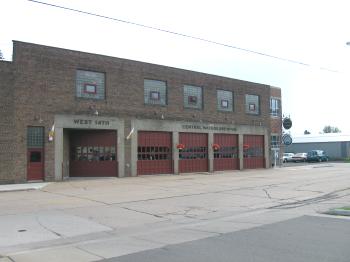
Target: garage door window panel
column 226, row 152
column 153, row 153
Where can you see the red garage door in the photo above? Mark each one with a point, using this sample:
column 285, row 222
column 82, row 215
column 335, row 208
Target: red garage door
column 93, row 153
column 194, row 156
column 225, row 152
column 154, row 153
column 253, row 151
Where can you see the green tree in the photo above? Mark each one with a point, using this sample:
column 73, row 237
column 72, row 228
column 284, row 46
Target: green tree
column 331, row 129
column 1, row 56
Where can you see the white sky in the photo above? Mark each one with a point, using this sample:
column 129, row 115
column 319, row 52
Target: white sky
column 313, row 32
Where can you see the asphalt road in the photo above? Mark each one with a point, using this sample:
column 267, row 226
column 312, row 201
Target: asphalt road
column 306, row 239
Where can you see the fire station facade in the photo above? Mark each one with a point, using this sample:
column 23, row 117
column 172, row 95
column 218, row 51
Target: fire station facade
column 66, row 114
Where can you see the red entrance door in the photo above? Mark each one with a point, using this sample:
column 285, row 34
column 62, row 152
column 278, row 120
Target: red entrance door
column 194, row 156
column 35, row 153
column 35, row 170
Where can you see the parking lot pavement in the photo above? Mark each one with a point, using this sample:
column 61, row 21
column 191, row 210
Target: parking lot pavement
column 101, row 218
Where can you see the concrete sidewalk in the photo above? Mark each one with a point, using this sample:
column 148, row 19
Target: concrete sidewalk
column 93, row 219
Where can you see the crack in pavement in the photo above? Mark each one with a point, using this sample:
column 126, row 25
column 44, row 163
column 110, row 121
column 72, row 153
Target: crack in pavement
column 142, row 212
column 267, row 193
column 74, row 196
column 46, row 228
column 312, row 191
column 309, row 201
column 89, row 252
column 161, row 198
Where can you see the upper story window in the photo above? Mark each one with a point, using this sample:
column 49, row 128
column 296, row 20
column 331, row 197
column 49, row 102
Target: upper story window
column 90, row 84
column 193, row 97
column 252, row 104
column 275, row 106
column 155, row 92
column 224, row 100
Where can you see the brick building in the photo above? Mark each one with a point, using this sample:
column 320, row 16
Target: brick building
column 117, row 117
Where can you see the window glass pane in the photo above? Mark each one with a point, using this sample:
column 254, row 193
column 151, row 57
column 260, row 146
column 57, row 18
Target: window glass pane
column 90, row 88
column 275, row 141
column 101, row 153
column 224, row 100
column 35, row 137
column 192, row 97
column 78, row 153
column 275, row 105
column 90, row 157
column 252, row 104
column 90, row 84
column 113, row 153
column 155, row 92
column 95, row 153
column 35, row 157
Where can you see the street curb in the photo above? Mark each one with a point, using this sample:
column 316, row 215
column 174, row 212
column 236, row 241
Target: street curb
column 338, row 212
column 22, row 187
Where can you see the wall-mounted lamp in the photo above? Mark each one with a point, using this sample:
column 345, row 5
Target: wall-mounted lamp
column 93, row 110
column 38, row 118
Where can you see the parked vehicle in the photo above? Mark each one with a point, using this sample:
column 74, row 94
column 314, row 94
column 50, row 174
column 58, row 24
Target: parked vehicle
column 299, row 157
column 287, row 157
column 317, row 156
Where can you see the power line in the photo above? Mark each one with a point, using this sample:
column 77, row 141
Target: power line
column 177, row 33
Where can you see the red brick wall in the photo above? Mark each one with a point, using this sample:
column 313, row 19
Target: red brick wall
column 7, row 147
column 276, row 122
column 45, row 86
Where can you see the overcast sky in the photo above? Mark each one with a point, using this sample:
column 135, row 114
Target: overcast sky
column 311, row 32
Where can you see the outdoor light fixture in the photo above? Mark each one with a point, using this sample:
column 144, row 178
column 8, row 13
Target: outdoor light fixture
column 93, row 110
column 38, row 118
